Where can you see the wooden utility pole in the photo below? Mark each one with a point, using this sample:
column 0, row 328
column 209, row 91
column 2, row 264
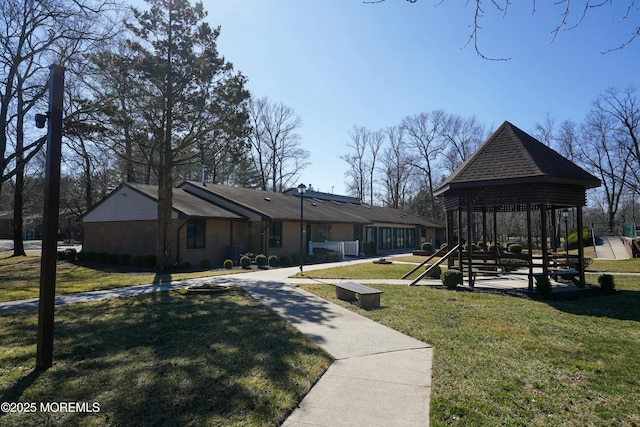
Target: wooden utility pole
column 44, row 352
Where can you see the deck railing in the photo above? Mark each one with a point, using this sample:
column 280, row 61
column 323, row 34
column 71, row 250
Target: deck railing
column 343, row 248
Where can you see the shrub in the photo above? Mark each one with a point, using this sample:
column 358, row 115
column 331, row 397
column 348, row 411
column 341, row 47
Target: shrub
column 284, row 261
column 69, row 254
column 228, row 264
column 543, row 285
column 205, row 264
column 82, row 256
column 325, row 255
column 435, row 273
column 245, row 261
column 606, row 282
column 185, row 265
column 369, row 248
column 111, row 258
column 124, row 259
column 149, row 261
column 482, row 245
column 573, row 237
column 514, row 264
column 136, row 260
column 101, row 257
column 443, row 245
column 493, row 247
column 261, row 260
column 427, row 246
column 451, row 278
column 273, row 261
column 90, row 256
column 515, row 248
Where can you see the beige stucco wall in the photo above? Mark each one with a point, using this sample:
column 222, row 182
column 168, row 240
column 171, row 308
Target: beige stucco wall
column 342, row 232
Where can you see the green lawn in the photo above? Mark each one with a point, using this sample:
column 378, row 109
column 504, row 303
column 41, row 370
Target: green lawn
column 501, row 360
column 169, row 358
column 20, row 277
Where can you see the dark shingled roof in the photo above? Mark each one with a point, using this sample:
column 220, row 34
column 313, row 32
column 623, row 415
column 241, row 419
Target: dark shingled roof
column 283, row 206
column 185, row 204
column 511, row 156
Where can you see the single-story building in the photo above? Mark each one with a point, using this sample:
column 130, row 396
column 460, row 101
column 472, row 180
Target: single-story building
column 6, row 225
column 215, row 222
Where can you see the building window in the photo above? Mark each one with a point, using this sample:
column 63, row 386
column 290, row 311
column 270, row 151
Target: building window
column 195, row 233
column 411, row 237
column 275, row 234
column 398, row 241
column 386, row 240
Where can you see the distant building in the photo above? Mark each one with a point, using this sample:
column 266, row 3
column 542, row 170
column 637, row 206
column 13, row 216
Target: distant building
column 216, row 222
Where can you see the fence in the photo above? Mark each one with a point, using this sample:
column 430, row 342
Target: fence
column 343, row 248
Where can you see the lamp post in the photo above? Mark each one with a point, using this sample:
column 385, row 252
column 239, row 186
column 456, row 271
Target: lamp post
column 301, row 190
column 565, row 215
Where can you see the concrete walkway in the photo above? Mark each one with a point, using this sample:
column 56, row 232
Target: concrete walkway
column 611, row 248
column 379, row 376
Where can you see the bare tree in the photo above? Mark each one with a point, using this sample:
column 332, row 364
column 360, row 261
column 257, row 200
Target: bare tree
column 275, row 144
column 570, row 15
column 567, row 139
column 601, row 153
column 423, row 134
column 623, row 107
column 462, row 136
column 396, row 169
column 376, row 141
column 357, row 172
column 543, row 132
column 34, row 35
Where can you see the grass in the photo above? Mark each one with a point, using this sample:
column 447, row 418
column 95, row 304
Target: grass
column 365, row 270
column 510, row 361
column 616, row 266
column 20, row 277
column 169, row 358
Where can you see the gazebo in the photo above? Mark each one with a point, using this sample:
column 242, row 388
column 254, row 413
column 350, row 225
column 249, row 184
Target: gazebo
column 513, row 172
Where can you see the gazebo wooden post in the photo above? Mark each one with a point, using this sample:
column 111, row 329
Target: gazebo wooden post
column 469, row 244
column 580, row 245
column 460, row 265
column 554, row 231
column 484, row 225
column 450, row 236
column 530, row 247
column 495, row 234
column 545, row 248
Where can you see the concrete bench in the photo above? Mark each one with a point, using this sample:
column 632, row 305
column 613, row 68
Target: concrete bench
column 364, row 296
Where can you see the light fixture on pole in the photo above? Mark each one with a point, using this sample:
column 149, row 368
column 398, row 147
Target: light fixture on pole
column 565, row 215
column 301, row 190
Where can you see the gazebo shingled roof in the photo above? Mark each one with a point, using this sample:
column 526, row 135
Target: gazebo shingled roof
column 512, row 171
column 511, row 168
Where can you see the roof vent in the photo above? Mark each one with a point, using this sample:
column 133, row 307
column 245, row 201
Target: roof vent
column 268, row 199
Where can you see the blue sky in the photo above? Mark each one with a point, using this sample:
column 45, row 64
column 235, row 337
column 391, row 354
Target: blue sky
column 340, row 63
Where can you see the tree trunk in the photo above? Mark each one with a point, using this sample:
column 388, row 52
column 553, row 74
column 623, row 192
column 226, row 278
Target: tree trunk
column 18, row 243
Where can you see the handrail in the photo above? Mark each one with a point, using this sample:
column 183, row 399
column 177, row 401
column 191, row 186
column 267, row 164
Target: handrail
column 593, row 239
column 424, row 262
column 437, row 263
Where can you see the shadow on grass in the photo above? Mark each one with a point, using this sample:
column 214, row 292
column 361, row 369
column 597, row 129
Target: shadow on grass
column 168, row 358
column 622, row 306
